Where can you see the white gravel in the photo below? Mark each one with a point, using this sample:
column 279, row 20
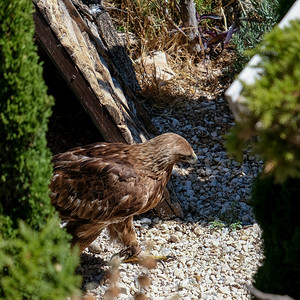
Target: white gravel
column 217, row 245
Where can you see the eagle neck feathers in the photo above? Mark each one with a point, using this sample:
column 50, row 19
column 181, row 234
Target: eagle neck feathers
column 157, row 164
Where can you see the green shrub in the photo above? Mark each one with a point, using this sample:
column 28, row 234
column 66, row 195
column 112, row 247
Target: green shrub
column 271, row 126
column 276, row 209
column 35, row 257
column 273, row 103
column 252, row 27
column 24, row 111
column 37, row 265
column 255, row 24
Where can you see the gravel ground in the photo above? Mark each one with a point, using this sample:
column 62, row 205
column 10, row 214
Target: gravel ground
column 216, row 246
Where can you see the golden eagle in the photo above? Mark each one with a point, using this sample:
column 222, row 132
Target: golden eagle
column 105, row 184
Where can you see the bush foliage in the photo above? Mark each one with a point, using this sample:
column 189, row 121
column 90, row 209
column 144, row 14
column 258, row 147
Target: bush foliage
column 273, row 103
column 252, row 28
column 271, row 125
column 24, row 111
column 35, row 258
column 276, row 209
column 37, row 264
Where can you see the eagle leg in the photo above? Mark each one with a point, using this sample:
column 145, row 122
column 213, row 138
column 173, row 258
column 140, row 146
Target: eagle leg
column 83, row 233
column 124, row 232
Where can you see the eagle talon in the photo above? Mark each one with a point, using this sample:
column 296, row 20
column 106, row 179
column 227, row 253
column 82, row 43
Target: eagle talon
column 157, row 258
column 163, row 259
column 128, row 254
column 170, row 257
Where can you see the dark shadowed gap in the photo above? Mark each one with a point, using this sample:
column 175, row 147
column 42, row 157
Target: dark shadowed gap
column 69, row 126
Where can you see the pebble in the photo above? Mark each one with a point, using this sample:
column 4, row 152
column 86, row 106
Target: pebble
column 124, row 289
column 198, row 230
column 179, row 273
column 175, row 238
column 146, row 221
column 183, row 284
column 91, row 285
column 190, row 193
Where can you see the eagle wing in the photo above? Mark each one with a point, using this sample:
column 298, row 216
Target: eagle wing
column 98, row 183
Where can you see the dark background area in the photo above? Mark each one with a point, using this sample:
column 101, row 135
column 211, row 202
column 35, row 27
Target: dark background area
column 70, row 125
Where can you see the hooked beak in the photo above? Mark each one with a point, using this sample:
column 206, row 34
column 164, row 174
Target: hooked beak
column 192, row 159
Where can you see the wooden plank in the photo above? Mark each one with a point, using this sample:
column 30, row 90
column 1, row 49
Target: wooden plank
column 76, row 81
column 119, row 65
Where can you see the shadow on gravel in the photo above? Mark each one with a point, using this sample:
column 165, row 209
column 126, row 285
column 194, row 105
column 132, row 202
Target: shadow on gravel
column 92, row 270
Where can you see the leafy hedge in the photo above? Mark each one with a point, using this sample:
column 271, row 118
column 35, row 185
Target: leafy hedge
column 38, row 264
column 272, row 128
column 252, row 27
column 35, row 257
column 24, row 111
column 276, row 209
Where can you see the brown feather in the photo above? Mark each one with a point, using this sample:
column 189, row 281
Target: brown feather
column 105, row 185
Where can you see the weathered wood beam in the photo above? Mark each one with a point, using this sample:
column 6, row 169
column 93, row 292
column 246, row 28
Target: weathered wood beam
column 76, row 80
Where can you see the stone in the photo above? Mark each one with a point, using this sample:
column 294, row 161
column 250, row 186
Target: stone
column 175, row 238
column 224, row 290
column 146, row 221
column 179, row 273
column 91, row 285
column 95, row 247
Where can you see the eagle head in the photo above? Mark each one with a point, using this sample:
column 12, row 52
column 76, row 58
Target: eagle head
column 163, row 151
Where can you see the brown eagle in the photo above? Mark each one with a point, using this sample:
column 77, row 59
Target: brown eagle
column 106, row 184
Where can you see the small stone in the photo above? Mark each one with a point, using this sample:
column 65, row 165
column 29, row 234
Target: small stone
column 245, row 219
column 182, row 294
column 245, row 248
column 95, row 247
column 198, row 230
column 214, row 182
column 146, row 221
column 215, row 243
column 175, row 238
column 190, row 193
column 188, row 185
column 208, row 172
column 156, row 220
column 235, row 163
column 237, row 198
column 175, row 122
column 207, row 160
column 124, row 289
column 162, row 227
column 91, row 285
column 224, row 290
column 183, row 284
column 179, row 273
